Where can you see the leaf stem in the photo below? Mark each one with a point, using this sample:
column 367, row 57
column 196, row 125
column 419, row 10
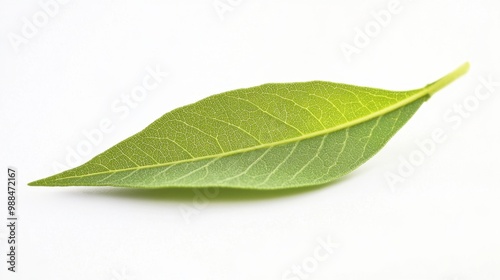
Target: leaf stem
column 446, row 80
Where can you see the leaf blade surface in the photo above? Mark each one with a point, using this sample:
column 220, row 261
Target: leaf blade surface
column 266, row 137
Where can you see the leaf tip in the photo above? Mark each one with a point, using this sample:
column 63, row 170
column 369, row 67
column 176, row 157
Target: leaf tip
column 36, row 183
column 46, row 182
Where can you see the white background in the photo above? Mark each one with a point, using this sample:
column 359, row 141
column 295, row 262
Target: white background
column 442, row 222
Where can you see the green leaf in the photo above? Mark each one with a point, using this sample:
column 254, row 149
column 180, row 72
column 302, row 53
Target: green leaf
column 271, row 136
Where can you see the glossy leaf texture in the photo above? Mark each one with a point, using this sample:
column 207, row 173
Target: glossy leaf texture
column 271, row 136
